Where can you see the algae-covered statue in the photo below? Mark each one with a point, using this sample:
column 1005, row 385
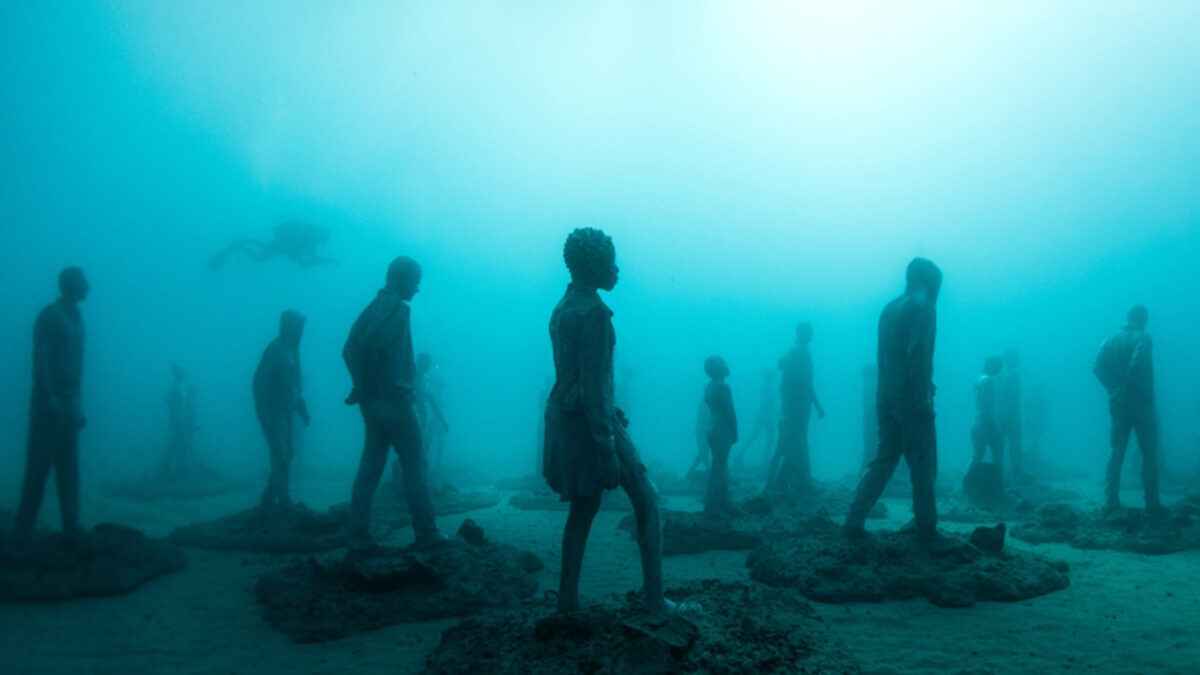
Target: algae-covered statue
column 295, row 240
column 1125, row 368
column 722, row 434
column 277, row 402
column 791, row 467
column 904, row 401
column 587, row 448
column 379, row 355
column 55, row 408
column 986, row 431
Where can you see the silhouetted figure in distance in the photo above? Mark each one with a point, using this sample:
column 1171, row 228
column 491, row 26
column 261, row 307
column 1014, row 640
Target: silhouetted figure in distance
column 1008, row 413
column 722, row 434
column 429, row 410
column 379, row 355
column 798, row 397
column 55, row 408
column 700, row 431
column 766, row 421
column 985, row 432
column 295, row 240
column 904, row 401
column 1125, row 368
column 178, row 456
column 277, row 401
column 587, row 448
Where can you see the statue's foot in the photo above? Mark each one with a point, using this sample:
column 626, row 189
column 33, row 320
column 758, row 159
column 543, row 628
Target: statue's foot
column 428, row 541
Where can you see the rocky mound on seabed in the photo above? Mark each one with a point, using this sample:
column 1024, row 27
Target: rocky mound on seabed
column 199, row 482
column 792, row 505
column 109, row 560
column 689, row 532
column 312, row 601
column 389, row 511
column 735, row 628
column 1176, row 529
column 824, row 565
column 547, row 500
column 985, row 499
column 295, row 529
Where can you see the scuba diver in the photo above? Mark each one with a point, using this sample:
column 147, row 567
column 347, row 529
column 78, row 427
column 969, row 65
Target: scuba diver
column 296, row 240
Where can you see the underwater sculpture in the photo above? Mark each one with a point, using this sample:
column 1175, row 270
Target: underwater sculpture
column 181, row 418
column 379, row 355
column 721, row 437
column 766, row 421
column 1125, row 368
column 587, row 448
column 701, row 461
column 870, row 420
column 985, row 432
column 296, row 240
column 277, row 399
column 791, row 465
column 1008, row 413
column 55, row 408
column 904, row 402
column 429, row 410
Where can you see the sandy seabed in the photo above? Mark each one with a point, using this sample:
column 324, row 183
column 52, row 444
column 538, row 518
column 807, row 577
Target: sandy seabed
column 1123, row 613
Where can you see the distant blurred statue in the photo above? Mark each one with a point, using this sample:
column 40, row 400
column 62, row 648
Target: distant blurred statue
column 379, row 355
column 986, row 431
column 766, row 421
column 722, row 434
column 296, row 240
column 870, row 420
column 55, row 408
column 181, row 418
column 429, row 409
column 1008, row 412
column 587, row 448
column 700, row 431
column 791, row 467
column 277, row 400
column 1126, row 369
column 1035, row 418
column 904, row 402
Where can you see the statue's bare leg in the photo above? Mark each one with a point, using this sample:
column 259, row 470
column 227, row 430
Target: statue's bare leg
column 575, row 535
column 644, row 498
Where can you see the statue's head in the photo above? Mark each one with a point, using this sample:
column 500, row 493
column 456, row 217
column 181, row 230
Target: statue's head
column 715, row 367
column 1012, row 358
column 291, row 328
column 424, row 363
column 804, row 332
column 591, row 258
column 993, row 365
column 72, row 284
column 1139, row 316
column 404, row 277
column 923, row 275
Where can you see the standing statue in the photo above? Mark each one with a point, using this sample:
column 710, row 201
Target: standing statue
column 986, row 431
column 55, row 408
column 587, row 448
column 277, row 400
column 177, row 459
column 295, row 240
column 1008, row 412
column 904, row 402
column 791, row 466
column 700, row 432
column 766, row 421
column 379, row 355
column 1125, row 368
column 721, row 437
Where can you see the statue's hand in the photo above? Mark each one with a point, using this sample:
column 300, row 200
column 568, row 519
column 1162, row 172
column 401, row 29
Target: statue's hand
column 609, row 469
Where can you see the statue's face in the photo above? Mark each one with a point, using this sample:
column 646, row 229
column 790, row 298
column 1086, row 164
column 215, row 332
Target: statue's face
column 409, row 286
column 607, row 271
column 74, row 286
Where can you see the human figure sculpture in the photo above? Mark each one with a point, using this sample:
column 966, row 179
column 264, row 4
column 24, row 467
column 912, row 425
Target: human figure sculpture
column 904, row 402
column 700, row 431
column 55, row 408
column 722, row 434
column 177, row 457
column 295, row 240
column 1008, row 412
column 986, row 431
column 587, row 448
column 379, row 355
column 766, row 422
column 429, row 409
column 277, row 402
column 791, row 467
column 870, row 421
column 1125, row 368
